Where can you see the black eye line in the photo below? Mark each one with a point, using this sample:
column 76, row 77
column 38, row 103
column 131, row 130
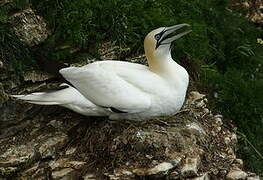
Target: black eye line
column 161, row 34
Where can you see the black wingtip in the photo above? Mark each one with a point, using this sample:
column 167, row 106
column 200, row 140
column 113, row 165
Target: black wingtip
column 113, row 109
column 116, row 110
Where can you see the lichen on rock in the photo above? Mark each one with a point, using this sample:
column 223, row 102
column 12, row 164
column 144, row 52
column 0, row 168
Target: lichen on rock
column 29, row 27
column 36, row 76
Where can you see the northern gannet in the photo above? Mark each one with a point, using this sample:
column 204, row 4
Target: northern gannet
column 124, row 90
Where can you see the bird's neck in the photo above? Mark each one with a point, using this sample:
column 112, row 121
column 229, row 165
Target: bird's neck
column 167, row 68
column 163, row 64
column 160, row 64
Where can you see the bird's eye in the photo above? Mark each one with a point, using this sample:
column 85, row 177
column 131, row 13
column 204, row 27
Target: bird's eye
column 157, row 36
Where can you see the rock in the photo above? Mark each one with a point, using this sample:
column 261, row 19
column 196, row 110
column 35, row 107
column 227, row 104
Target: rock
column 203, row 177
column 201, row 104
column 89, row 177
column 163, row 167
column 60, row 163
column 227, row 140
column 218, row 129
column 64, row 173
column 48, row 145
column 233, row 138
column 35, row 172
column 120, row 174
column 1, row 64
column 160, row 168
column 206, row 111
column 29, row 27
column 236, row 174
column 239, row 163
column 231, row 153
column 56, row 124
column 15, row 157
column 36, row 76
column 149, row 138
column 256, row 15
column 176, row 159
column 194, row 96
column 218, row 121
column 254, row 9
column 65, row 168
column 8, row 171
column 57, row 169
column 253, row 178
column 190, row 168
column 72, row 150
column 3, row 96
column 195, row 129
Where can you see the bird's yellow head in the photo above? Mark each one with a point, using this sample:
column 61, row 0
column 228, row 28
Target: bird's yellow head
column 158, row 42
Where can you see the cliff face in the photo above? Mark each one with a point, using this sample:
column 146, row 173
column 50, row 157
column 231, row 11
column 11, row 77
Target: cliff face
column 50, row 142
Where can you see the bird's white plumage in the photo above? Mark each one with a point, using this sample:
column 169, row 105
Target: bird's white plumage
column 123, row 90
column 117, row 84
column 102, row 84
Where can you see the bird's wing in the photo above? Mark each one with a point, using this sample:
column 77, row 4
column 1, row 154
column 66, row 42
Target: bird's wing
column 138, row 75
column 118, row 85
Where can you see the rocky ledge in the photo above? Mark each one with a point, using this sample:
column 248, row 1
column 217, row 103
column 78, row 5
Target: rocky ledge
column 43, row 142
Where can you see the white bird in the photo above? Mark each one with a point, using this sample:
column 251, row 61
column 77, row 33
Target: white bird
column 124, row 90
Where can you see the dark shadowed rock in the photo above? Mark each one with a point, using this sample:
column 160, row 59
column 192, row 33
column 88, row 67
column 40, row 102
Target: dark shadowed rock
column 48, row 144
column 16, row 157
column 3, row 95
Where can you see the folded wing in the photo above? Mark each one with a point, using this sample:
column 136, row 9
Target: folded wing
column 103, row 84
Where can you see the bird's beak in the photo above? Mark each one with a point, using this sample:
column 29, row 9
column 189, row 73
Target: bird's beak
column 171, row 33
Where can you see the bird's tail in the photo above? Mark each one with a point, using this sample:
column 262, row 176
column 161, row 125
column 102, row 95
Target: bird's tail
column 66, row 96
column 63, row 95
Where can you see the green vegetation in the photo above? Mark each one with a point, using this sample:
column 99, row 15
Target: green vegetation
column 223, row 43
column 12, row 50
